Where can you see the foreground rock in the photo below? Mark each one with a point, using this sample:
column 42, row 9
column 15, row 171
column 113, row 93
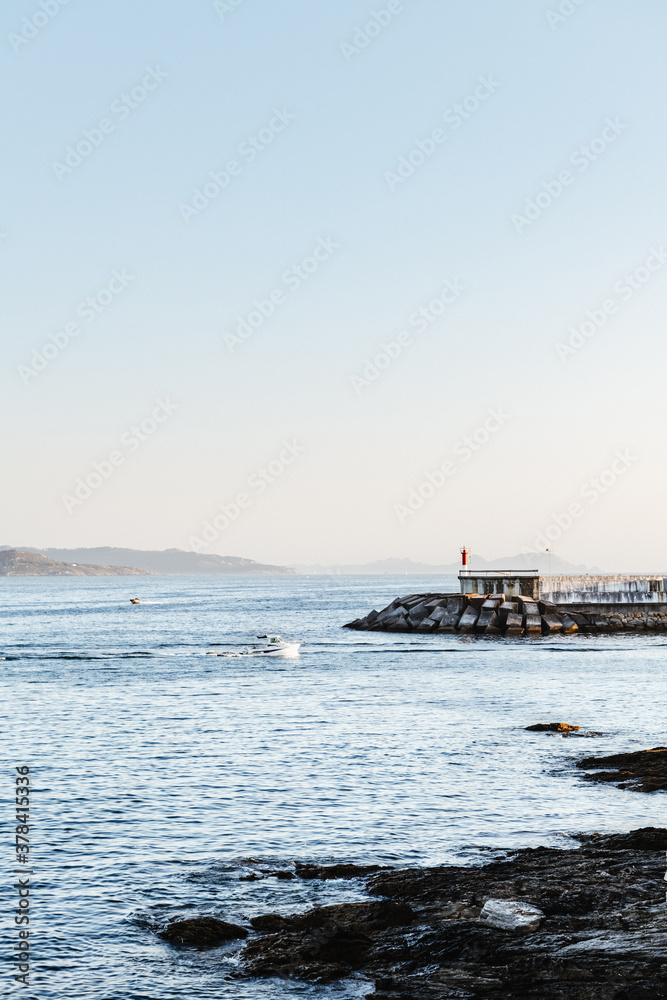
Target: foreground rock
column 552, row 727
column 643, row 771
column 496, row 614
column 544, row 925
column 201, row 932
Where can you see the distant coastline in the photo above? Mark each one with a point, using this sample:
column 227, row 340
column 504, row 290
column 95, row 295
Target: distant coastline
column 17, row 562
column 111, row 561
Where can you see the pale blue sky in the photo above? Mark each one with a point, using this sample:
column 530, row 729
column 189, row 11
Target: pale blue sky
column 323, row 177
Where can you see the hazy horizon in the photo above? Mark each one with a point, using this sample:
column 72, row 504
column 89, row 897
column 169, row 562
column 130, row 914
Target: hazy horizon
column 335, row 285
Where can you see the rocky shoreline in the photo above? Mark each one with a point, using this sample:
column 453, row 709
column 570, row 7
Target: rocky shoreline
column 496, row 614
column 642, row 771
column 544, row 924
column 583, row 923
column 579, row 923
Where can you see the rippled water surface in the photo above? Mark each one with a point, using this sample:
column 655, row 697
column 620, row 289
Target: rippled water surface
column 160, row 771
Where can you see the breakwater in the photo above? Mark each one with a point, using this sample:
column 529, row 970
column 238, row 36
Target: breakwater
column 497, row 614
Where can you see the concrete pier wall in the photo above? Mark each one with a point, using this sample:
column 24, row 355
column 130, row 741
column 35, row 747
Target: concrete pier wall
column 619, row 589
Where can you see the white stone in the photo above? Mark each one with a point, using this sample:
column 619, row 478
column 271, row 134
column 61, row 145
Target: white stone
column 511, row 914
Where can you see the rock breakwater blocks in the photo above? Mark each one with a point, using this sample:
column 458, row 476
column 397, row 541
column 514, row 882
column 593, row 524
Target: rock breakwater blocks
column 498, row 614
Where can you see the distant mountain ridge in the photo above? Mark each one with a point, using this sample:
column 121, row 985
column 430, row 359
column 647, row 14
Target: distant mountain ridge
column 396, row 567
column 168, row 562
column 19, row 562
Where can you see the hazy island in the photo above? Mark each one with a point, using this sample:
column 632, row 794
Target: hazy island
column 110, row 561
column 16, row 562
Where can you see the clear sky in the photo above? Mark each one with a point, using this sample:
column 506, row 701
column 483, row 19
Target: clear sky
column 217, row 218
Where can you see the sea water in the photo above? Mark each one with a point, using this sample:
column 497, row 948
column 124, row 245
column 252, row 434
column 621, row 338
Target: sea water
column 162, row 774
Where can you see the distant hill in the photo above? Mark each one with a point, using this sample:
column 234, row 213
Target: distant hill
column 167, row 562
column 16, row 562
column 396, row 567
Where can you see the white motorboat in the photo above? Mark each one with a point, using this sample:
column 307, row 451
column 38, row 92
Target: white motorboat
column 274, row 647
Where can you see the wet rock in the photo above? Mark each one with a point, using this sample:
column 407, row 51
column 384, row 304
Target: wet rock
column 201, row 932
column 642, row 991
column 322, row 944
column 511, row 915
column 600, row 931
column 643, row 771
column 552, row 727
column 336, row 871
column 271, row 923
column 647, row 838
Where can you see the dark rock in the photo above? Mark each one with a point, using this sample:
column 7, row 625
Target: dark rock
column 494, row 627
column 569, row 624
column 552, row 727
column 201, row 932
column 450, row 618
column 486, row 616
column 603, row 935
column 322, row 944
column 468, row 619
column 547, row 607
column 456, row 604
column 514, row 622
column 647, row 838
column 551, row 623
column 642, row 991
column 532, row 623
column 336, row 871
column 271, row 923
column 643, row 771
column 509, row 606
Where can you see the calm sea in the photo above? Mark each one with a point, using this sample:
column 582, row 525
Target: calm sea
column 160, row 770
